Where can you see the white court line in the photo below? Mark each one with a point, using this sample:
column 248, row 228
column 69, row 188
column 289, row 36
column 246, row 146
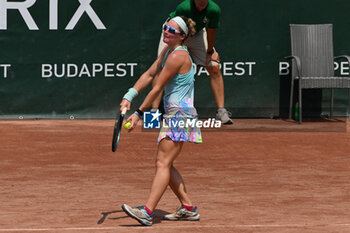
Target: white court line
column 172, row 227
column 59, row 229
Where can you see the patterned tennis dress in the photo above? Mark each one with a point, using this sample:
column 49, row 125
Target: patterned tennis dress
column 180, row 116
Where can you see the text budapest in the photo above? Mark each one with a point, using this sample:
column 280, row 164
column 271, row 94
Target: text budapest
column 88, row 70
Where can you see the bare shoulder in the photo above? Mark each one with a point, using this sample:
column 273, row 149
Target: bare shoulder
column 177, row 58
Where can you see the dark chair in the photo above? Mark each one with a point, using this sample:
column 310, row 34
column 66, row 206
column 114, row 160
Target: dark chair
column 313, row 62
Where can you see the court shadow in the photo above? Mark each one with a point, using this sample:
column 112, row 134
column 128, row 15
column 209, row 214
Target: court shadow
column 326, row 118
column 322, row 118
column 106, row 214
column 158, row 215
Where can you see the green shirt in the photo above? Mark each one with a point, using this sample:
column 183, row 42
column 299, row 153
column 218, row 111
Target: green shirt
column 208, row 18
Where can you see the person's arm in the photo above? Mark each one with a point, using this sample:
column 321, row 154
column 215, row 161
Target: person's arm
column 212, row 55
column 145, row 79
column 171, row 68
column 214, row 23
column 211, row 32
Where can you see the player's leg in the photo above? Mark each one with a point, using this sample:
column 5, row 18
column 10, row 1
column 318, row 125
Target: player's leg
column 177, row 185
column 186, row 211
column 167, row 153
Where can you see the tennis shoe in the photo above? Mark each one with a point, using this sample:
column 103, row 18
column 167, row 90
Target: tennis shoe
column 224, row 116
column 183, row 214
column 139, row 213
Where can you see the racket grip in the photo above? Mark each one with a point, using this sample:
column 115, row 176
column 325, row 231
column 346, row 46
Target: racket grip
column 124, row 110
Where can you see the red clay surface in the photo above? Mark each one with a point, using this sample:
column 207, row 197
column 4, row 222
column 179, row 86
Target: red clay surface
column 61, row 176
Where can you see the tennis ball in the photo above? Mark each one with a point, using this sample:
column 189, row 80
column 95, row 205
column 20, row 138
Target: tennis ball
column 127, row 125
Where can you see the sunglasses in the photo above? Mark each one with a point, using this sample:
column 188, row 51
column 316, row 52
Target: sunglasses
column 171, row 30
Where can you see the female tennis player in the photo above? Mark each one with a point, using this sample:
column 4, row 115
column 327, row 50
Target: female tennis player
column 176, row 77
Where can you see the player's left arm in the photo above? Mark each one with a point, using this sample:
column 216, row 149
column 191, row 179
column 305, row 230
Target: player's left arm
column 171, row 67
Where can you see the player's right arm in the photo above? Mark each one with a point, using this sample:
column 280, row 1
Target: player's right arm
column 171, row 67
column 147, row 77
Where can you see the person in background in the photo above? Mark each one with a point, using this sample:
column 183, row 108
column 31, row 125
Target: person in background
column 206, row 15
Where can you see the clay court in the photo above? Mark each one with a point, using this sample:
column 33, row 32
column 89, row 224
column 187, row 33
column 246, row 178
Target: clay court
column 258, row 176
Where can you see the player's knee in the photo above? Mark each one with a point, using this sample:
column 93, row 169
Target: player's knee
column 162, row 162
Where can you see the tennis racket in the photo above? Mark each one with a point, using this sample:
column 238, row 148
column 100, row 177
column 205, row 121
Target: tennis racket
column 117, row 129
